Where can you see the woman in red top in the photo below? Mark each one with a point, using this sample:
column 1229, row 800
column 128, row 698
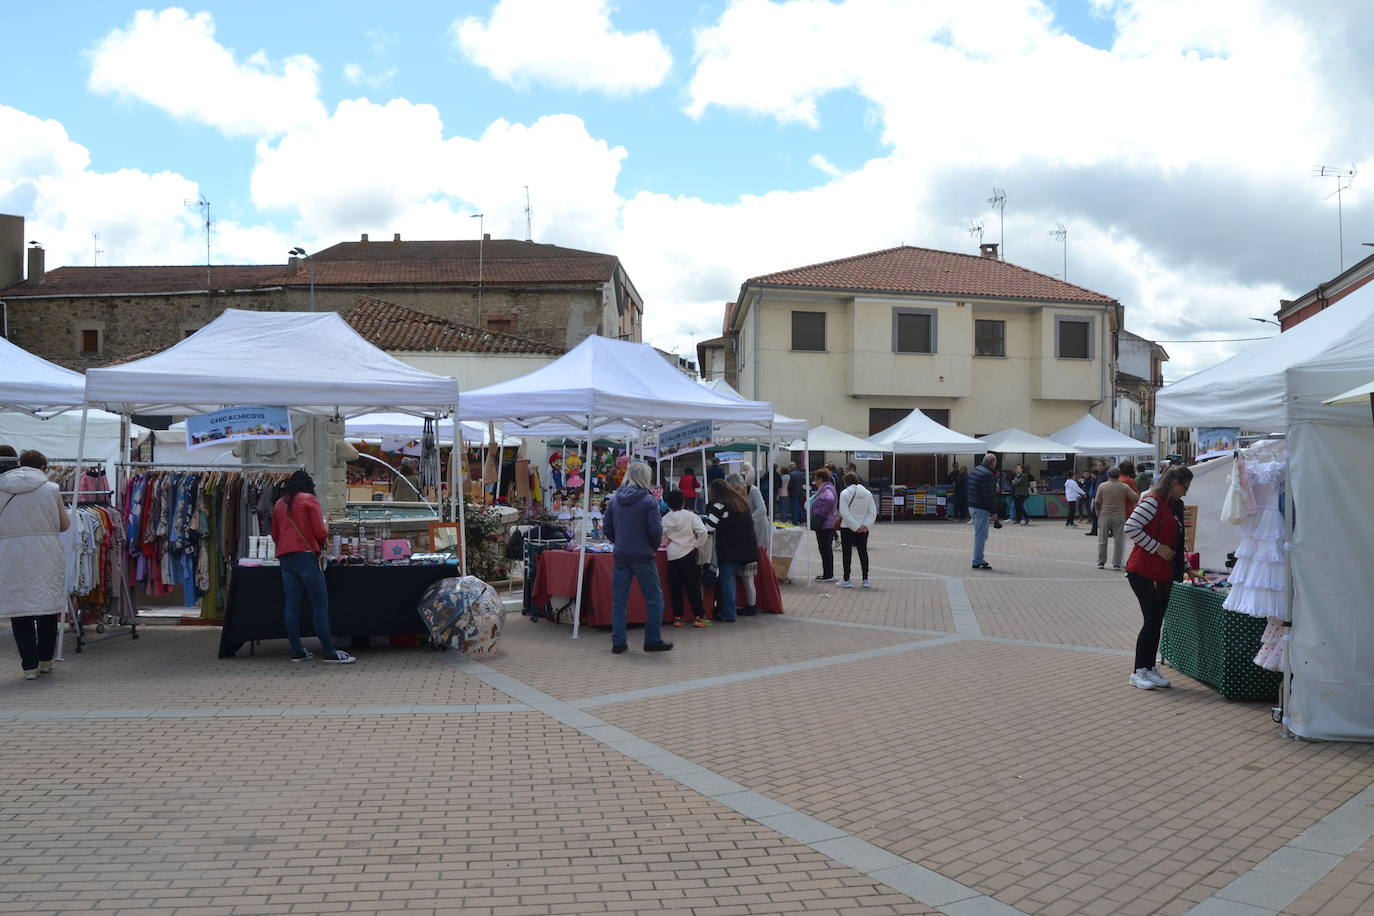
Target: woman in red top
column 1156, row 527
column 687, row 483
column 299, row 533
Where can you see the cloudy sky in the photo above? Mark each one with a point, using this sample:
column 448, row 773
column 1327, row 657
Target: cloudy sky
column 708, row 142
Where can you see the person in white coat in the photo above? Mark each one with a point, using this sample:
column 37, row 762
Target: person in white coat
column 858, row 510
column 33, row 582
column 758, row 514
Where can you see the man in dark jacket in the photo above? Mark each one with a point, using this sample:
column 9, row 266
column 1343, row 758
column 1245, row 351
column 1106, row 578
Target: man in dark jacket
column 982, row 505
column 1098, row 479
column 796, row 493
column 633, row 524
column 714, row 472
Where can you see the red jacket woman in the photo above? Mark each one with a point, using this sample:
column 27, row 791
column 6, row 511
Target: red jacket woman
column 1158, row 538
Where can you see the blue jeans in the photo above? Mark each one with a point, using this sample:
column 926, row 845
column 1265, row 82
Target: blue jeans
column 980, row 533
column 798, row 515
column 725, row 590
column 300, row 575
column 652, row 589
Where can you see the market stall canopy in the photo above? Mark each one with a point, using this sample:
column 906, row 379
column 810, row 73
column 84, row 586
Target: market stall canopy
column 918, row 434
column 377, row 425
column 312, row 362
column 608, row 381
column 1357, row 395
column 31, row 384
column 784, row 428
column 829, row 439
column 1018, row 441
column 58, row 437
column 1250, row 390
column 1090, row 436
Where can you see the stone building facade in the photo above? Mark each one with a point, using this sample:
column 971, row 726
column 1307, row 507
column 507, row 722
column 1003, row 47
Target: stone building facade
column 90, row 316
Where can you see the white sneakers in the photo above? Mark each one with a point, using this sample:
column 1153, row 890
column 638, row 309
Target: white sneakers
column 865, row 584
column 340, row 658
column 1149, row 679
column 846, row 584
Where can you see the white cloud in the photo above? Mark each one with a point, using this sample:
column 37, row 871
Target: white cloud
column 171, row 60
column 357, row 75
column 825, row 165
column 569, row 44
column 380, row 43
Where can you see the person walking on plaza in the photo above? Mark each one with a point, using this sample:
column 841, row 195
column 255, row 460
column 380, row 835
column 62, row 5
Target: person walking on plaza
column 1114, row 504
column 728, row 515
column 758, row 516
column 1020, row 492
column 961, row 492
column 33, row 573
column 858, row 510
column 685, row 536
column 1098, row 479
column 982, row 505
column 633, row 525
column 796, row 493
column 784, row 505
column 299, row 534
column 1073, row 493
column 1156, row 563
column 824, row 519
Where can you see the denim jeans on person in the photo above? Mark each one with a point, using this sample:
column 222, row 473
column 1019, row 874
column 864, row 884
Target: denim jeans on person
column 301, row 578
column 725, row 590
column 36, row 638
column 980, row 533
column 798, row 509
column 646, row 574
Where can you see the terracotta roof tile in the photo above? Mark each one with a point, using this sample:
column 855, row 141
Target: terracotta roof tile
column 906, row 269
column 393, row 327
column 114, row 281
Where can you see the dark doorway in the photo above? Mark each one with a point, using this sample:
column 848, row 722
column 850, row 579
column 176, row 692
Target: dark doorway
column 912, row 470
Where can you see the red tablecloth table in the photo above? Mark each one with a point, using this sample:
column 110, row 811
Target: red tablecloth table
column 557, row 575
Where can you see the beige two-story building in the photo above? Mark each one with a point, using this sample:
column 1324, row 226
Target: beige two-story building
column 977, row 343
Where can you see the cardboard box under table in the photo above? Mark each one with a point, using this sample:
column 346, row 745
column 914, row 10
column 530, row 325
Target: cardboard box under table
column 1216, row 646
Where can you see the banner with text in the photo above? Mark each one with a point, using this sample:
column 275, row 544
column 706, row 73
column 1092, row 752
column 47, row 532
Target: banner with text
column 236, row 423
column 690, row 438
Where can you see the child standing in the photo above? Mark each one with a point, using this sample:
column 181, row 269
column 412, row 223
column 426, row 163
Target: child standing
column 684, row 534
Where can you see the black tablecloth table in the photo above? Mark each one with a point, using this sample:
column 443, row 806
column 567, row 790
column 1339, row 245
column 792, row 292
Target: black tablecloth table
column 363, row 601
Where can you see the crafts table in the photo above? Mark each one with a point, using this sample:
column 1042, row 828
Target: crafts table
column 1216, row 646
column 363, row 601
column 558, row 576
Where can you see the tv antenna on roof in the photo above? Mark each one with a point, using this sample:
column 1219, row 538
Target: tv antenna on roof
column 975, row 227
column 998, row 201
column 98, row 251
column 1061, row 235
column 1344, row 178
column 205, row 206
column 529, row 216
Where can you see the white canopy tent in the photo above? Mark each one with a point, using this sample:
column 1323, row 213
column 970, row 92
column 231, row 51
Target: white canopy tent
column 59, row 436
column 1283, row 384
column 311, row 362
column 829, row 439
column 783, row 429
column 377, row 425
column 601, row 382
column 918, row 434
column 1018, row 441
column 1092, row 438
column 30, row 384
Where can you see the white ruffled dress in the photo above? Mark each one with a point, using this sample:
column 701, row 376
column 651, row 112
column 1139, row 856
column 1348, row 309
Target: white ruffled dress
column 1260, row 577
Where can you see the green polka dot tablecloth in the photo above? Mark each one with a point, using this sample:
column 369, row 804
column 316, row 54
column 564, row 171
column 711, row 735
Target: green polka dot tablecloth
column 1216, row 646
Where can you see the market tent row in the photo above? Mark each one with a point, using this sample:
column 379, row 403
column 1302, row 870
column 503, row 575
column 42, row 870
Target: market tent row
column 829, row 439
column 310, row 362
column 918, row 434
column 32, row 385
column 1281, row 385
column 599, row 383
column 1090, row 437
column 1019, row 442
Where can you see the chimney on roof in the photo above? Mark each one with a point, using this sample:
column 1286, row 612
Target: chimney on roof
column 364, row 237
column 396, row 237
column 988, row 250
column 293, row 265
column 486, row 236
column 36, row 263
column 11, row 249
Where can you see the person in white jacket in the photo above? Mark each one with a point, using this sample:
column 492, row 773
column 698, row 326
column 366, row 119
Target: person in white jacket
column 33, row 581
column 684, row 534
column 744, row 483
column 858, row 510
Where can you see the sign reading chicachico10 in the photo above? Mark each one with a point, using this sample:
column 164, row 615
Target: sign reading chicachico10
column 689, row 438
column 236, row 423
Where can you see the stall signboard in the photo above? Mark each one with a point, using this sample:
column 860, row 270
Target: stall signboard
column 868, row 456
column 1216, row 440
column 1051, row 456
column 689, row 438
column 233, row 424
column 728, row 457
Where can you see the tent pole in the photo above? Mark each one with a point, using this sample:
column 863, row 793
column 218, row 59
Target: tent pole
column 586, row 522
column 892, row 485
column 772, row 490
column 76, row 499
column 461, row 499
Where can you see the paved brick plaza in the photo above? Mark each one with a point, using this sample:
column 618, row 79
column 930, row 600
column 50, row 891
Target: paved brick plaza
column 942, row 743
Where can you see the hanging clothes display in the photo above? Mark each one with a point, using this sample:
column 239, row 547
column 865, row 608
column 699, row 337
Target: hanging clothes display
column 1259, row 580
column 96, row 566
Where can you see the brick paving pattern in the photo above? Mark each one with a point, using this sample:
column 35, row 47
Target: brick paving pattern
column 1017, row 763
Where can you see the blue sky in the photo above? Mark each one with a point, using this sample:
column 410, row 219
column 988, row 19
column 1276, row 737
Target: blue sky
column 706, row 143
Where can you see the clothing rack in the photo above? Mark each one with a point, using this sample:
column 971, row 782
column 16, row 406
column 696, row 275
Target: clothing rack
column 159, row 466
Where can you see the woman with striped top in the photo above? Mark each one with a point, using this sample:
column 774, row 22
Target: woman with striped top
column 1156, row 529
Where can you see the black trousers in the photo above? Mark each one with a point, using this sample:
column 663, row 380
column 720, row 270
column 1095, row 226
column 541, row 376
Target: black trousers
column 1073, row 512
column 1154, row 601
column 849, row 541
column 1019, row 508
column 36, row 638
column 825, row 541
column 684, row 574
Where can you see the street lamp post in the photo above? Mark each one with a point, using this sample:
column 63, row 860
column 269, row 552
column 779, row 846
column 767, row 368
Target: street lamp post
column 299, row 252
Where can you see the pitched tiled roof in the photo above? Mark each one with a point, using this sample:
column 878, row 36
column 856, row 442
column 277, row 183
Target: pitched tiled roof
column 393, row 327
column 114, row 281
column 906, row 269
